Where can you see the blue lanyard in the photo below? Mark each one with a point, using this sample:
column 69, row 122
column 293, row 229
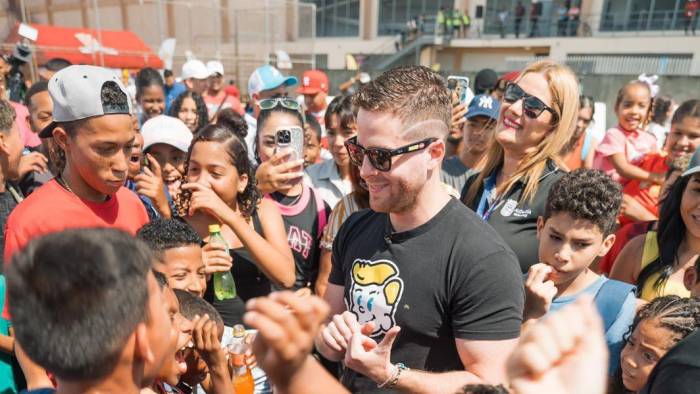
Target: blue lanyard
column 483, row 210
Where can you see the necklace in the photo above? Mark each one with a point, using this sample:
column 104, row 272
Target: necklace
column 296, row 198
column 63, row 183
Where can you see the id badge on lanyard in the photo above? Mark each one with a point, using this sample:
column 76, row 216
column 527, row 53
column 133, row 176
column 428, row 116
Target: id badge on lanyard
column 484, row 209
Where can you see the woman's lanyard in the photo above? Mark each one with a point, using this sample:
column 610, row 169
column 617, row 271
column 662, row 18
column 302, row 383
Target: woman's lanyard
column 485, row 209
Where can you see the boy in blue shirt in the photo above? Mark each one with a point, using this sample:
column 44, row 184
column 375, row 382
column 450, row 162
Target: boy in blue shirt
column 577, row 227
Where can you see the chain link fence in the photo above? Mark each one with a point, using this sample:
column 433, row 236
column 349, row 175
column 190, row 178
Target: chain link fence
column 242, row 35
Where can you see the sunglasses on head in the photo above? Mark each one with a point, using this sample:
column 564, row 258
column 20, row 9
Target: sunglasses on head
column 283, row 101
column 380, row 158
column 532, row 106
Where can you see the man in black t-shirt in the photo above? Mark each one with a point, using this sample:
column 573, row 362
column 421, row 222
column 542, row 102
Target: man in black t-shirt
column 419, row 261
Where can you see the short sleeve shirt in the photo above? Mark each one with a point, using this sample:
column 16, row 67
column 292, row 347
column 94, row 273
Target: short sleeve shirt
column 345, row 207
column 325, row 178
column 633, row 144
column 51, row 208
column 7, row 204
column 454, row 173
column 222, row 101
column 614, row 337
column 451, row 277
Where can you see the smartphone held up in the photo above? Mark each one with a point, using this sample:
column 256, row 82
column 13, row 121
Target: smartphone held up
column 459, row 86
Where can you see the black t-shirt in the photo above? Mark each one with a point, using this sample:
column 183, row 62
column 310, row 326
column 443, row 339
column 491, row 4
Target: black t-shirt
column 517, row 222
column 301, row 221
column 452, row 277
column 250, row 282
column 678, row 372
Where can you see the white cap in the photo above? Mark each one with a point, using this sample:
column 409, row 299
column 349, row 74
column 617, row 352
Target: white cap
column 76, row 92
column 266, row 78
column 215, row 67
column 194, row 69
column 364, row 78
column 163, row 129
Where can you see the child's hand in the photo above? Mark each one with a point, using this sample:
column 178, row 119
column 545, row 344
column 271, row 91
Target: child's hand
column 250, row 359
column 539, row 291
column 458, row 119
column 206, row 200
column 216, row 259
column 634, row 210
column 149, row 183
column 205, row 336
column 278, row 174
column 287, row 325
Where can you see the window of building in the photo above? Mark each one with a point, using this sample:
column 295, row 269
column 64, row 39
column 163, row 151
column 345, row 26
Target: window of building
column 641, row 15
column 544, row 25
column 337, row 18
column 393, row 14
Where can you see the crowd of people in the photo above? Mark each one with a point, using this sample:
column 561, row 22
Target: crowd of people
column 396, row 239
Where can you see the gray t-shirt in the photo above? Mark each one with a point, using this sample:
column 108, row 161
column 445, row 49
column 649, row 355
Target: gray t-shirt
column 454, row 173
column 7, row 203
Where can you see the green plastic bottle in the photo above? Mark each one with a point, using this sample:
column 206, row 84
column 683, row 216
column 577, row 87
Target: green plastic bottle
column 224, row 286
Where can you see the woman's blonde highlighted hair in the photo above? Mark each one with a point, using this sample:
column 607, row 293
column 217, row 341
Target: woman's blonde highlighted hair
column 563, row 87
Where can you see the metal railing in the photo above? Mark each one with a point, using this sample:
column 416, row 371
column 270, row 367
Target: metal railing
column 623, row 23
column 616, row 65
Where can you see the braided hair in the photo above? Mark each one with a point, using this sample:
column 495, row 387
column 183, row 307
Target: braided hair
column 680, row 316
column 249, row 199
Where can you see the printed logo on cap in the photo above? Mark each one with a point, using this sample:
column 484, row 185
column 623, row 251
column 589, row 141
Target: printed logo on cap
column 307, row 81
column 486, row 102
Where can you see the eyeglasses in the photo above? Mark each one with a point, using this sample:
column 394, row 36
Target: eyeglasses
column 380, row 158
column 283, row 101
column 532, row 106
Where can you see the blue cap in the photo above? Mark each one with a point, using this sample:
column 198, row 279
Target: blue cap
column 266, row 78
column 483, row 105
column 694, row 165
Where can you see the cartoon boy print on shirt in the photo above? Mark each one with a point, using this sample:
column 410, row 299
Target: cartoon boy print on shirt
column 375, row 293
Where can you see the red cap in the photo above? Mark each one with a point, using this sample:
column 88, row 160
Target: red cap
column 313, row 81
column 510, row 76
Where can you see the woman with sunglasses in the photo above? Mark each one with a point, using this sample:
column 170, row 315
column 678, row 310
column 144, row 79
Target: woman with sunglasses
column 303, row 210
column 538, row 114
column 332, row 177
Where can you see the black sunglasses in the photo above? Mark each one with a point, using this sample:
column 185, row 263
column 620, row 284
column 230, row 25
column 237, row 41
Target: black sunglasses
column 532, row 106
column 380, row 158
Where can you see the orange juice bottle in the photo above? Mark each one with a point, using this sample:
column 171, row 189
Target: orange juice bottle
column 242, row 378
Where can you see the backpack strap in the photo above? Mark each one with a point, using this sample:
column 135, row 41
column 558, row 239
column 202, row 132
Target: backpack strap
column 610, row 298
column 321, row 209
